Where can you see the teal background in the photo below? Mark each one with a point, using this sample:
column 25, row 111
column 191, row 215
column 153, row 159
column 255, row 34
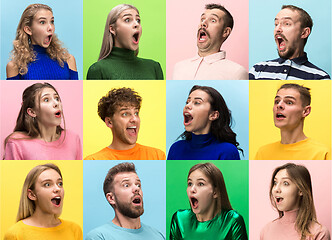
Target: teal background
column 68, row 16
column 236, row 176
column 152, row 44
column 262, row 46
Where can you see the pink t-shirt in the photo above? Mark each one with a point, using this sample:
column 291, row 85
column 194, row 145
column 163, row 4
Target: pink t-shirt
column 67, row 147
column 284, row 228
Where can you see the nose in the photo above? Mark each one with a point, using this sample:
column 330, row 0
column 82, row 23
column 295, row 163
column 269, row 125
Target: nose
column 276, row 188
column 188, row 105
column 203, row 23
column 55, row 103
column 192, row 188
column 135, row 188
column 50, row 27
column 281, row 105
column 278, row 28
column 56, row 188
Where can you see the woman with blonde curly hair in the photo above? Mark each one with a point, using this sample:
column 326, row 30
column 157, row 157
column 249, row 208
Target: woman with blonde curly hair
column 37, row 52
column 40, row 207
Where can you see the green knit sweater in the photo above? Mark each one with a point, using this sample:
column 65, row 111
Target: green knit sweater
column 123, row 64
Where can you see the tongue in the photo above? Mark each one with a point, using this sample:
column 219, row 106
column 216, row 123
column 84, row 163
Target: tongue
column 202, row 38
column 282, row 45
column 131, row 131
column 195, row 203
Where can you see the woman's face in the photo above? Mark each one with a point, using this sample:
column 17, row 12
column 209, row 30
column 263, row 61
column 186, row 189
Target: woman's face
column 49, row 111
column 42, row 28
column 127, row 30
column 285, row 193
column 48, row 193
column 202, row 196
column 197, row 113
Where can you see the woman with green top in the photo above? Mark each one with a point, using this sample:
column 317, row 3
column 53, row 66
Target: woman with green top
column 118, row 54
column 211, row 215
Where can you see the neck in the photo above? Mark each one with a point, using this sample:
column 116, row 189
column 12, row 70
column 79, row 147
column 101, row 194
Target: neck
column 119, row 145
column 48, row 134
column 292, row 136
column 203, row 53
column 298, row 53
column 209, row 215
column 126, row 222
column 41, row 219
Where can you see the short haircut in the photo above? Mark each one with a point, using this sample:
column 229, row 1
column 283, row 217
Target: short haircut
column 117, row 97
column 305, row 19
column 120, row 168
column 228, row 19
column 304, row 92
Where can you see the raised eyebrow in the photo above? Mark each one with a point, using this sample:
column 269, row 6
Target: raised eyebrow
column 198, row 98
column 215, row 15
column 46, row 94
column 284, row 18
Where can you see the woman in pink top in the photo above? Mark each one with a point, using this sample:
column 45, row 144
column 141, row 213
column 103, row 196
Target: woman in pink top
column 38, row 134
column 291, row 195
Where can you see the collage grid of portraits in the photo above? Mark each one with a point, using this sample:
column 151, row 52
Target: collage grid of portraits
column 169, row 36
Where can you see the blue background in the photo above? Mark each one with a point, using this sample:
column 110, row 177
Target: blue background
column 235, row 93
column 68, row 18
column 97, row 211
column 262, row 46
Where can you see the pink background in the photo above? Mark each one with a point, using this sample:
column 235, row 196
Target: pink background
column 11, row 97
column 183, row 18
column 261, row 211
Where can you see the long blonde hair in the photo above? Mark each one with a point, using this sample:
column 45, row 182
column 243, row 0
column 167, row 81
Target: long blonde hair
column 23, row 53
column 27, row 207
column 108, row 39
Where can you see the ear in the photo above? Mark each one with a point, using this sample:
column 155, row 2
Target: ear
column 27, row 30
column 215, row 194
column 300, row 193
column 31, row 195
column 112, row 30
column 306, row 111
column 108, row 122
column 31, row 112
column 110, row 198
column 214, row 115
column 305, row 32
column 227, row 31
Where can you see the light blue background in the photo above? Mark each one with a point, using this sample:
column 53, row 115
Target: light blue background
column 68, row 16
column 262, row 46
column 235, row 93
column 97, row 211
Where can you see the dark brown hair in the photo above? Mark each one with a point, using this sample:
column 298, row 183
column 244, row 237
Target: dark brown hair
column 304, row 92
column 228, row 18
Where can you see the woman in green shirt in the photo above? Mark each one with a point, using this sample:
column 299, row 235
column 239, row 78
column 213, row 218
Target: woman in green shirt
column 118, row 54
column 211, row 215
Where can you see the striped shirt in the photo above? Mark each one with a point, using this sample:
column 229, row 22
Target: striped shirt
column 287, row 69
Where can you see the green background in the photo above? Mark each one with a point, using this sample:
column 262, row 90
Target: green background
column 236, row 176
column 153, row 20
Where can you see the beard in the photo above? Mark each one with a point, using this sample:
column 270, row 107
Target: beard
column 288, row 53
column 128, row 210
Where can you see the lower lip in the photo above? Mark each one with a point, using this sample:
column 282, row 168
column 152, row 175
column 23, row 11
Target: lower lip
column 58, row 116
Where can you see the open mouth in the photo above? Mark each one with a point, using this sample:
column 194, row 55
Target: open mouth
column 56, row 201
column 132, row 130
column 58, row 114
column 280, row 42
column 194, row 202
column 279, row 199
column 48, row 39
column 202, row 35
column 136, row 37
column 137, row 200
column 187, row 118
column 280, row 116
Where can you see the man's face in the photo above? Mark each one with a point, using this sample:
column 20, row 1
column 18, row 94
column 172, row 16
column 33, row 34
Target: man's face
column 125, row 125
column 210, row 32
column 288, row 34
column 128, row 195
column 288, row 111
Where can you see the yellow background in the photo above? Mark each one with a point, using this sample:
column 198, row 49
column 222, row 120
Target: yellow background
column 261, row 99
column 13, row 174
column 96, row 135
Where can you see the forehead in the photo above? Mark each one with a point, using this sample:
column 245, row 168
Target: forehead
column 289, row 92
column 43, row 13
column 199, row 94
column 282, row 174
column 129, row 11
column 49, row 174
column 213, row 12
column 126, row 176
column 198, row 174
column 288, row 14
column 126, row 106
column 46, row 91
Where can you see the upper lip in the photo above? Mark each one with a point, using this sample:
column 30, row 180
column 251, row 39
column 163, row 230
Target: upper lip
column 279, row 113
column 202, row 30
column 57, row 112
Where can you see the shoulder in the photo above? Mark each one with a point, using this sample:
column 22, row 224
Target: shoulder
column 72, row 62
column 267, row 230
column 319, row 231
column 182, row 214
column 100, row 155
column 18, row 136
column 74, row 227
column 227, row 151
column 266, row 149
column 14, row 231
column 155, row 153
column 155, row 234
column 234, row 216
column 11, row 69
column 99, row 232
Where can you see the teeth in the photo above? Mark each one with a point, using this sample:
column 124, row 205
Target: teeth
column 57, row 197
column 186, row 114
column 133, row 127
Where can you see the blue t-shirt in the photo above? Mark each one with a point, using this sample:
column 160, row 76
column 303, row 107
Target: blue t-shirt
column 110, row 231
column 203, row 147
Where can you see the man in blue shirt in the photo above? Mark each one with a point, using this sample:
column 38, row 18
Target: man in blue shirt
column 122, row 188
column 292, row 28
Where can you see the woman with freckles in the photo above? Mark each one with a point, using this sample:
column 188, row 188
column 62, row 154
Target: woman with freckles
column 211, row 215
column 291, row 195
column 37, row 52
column 208, row 134
column 118, row 54
column 38, row 134
column 40, row 207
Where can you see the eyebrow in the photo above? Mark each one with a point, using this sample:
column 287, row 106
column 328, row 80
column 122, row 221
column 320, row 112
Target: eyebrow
column 130, row 15
column 196, row 98
column 50, row 180
column 128, row 180
column 291, row 97
column 203, row 14
column 200, row 179
column 287, row 18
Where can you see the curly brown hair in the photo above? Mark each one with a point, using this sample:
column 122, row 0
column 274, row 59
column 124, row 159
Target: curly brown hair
column 116, row 97
column 23, row 53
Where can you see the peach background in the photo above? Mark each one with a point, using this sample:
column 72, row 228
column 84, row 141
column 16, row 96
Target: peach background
column 71, row 94
column 183, row 18
column 261, row 211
